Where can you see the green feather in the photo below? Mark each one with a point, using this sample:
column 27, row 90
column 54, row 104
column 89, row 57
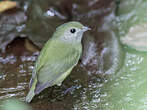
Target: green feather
column 31, row 93
column 62, row 57
column 56, row 60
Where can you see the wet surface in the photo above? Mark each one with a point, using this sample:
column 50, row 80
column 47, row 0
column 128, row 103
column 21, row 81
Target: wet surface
column 99, row 77
column 16, row 67
column 81, row 90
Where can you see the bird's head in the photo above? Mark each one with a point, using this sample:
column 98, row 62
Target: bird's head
column 71, row 32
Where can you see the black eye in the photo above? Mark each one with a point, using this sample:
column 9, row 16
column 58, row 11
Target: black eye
column 73, row 30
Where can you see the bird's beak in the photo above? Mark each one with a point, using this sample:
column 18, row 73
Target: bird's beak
column 86, row 28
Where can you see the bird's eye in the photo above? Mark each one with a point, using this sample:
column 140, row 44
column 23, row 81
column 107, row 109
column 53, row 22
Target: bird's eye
column 72, row 30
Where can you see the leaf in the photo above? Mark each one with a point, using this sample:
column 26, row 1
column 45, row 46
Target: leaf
column 14, row 104
column 6, row 5
column 30, row 46
column 136, row 37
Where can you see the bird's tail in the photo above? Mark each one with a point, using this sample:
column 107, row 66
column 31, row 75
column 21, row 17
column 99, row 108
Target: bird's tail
column 31, row 93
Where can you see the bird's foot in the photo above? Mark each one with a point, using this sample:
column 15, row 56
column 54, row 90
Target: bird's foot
column 70, row 90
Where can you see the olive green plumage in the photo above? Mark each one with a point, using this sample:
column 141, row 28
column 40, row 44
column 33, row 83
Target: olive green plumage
column 57, row 58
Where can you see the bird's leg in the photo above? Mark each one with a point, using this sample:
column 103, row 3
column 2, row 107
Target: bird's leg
column 70, row 90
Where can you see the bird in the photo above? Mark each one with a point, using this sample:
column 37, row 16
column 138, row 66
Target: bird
column 57, row 58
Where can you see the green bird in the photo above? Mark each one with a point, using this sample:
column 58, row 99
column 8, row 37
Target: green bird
column 57, row 58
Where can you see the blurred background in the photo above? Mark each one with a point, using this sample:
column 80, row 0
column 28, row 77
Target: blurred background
column 111, row 74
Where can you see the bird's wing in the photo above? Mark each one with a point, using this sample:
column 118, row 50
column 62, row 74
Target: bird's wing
column 55, row 66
